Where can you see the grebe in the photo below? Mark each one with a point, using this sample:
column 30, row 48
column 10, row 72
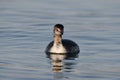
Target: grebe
column 62, row 46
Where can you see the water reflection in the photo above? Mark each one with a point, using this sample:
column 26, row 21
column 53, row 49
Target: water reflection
column 61, row 64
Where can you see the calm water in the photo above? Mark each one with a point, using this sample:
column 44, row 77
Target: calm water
column 26, row 29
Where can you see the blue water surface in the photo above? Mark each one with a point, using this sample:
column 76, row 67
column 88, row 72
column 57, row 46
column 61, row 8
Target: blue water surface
column 26, row 28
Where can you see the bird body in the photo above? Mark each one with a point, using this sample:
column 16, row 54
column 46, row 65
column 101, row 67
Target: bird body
column 60, row 46
column 67, row 46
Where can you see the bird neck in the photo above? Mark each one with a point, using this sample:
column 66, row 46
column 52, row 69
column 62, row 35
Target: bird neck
column 57, row 39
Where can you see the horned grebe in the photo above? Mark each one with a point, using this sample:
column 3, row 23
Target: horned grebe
column 62, row 46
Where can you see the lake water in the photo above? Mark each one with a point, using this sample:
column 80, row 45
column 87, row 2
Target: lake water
column 26, row 29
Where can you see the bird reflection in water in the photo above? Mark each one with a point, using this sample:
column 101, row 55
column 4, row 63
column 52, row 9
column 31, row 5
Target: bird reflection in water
column 62, row 63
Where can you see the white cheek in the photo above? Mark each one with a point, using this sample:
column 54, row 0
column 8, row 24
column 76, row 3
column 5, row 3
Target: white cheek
column 58, row 33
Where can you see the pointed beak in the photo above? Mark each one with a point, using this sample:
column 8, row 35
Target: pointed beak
column 57, row 29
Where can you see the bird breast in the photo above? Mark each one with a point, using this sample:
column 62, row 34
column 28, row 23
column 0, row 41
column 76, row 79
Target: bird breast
column 58, row 49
